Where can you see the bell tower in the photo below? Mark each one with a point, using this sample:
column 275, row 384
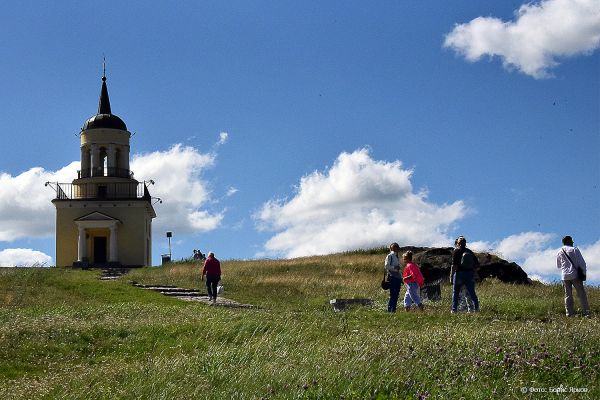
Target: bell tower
column 104, row 216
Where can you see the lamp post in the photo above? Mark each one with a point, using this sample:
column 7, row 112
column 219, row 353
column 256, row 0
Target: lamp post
column 169, row 235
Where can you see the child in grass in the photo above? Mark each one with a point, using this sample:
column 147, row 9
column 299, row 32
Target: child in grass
column 414, row 281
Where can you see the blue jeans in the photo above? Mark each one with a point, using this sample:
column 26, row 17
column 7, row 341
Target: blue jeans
column 412, row 294
column 394, row 293
column 466, row 279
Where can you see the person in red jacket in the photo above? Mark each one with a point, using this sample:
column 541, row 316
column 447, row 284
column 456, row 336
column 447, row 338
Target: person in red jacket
column 414, row 281
column 212, row 270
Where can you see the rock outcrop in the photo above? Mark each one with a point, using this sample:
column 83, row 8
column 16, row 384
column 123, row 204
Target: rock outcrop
column 435, row 265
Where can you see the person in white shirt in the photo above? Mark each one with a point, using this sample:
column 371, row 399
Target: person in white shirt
column 569, row 260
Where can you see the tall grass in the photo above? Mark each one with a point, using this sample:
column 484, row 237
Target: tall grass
column 65, row 334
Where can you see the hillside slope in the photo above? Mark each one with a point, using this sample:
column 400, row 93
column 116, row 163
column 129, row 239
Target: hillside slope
column 66, row 334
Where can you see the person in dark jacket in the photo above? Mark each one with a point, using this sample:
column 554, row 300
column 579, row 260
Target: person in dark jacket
column 212, row 270
column 462, row 273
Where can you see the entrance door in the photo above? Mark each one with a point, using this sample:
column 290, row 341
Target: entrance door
column 100, row 250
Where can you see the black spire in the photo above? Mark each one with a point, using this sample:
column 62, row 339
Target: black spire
column 105, row 118
column 104, row 103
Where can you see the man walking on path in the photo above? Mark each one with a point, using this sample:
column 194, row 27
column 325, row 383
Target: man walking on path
column 212, row 270
column 572, row 273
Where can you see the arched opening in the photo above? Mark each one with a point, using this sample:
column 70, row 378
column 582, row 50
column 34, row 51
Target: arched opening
column 103, row 162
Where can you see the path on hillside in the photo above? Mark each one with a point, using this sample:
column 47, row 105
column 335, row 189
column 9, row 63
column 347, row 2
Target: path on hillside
column 191, row 295
column 109, row 274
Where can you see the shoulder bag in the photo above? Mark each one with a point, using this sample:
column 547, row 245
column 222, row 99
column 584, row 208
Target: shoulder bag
column 580, row 274
column 385, row 283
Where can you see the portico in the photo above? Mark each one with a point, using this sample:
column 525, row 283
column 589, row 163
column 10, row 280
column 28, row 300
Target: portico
column 97, row 225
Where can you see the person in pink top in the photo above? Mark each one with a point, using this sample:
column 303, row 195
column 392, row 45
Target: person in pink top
column 414, row 281
column 212, row 270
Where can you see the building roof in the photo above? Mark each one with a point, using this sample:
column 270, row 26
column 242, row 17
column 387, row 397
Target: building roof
column 105, row 118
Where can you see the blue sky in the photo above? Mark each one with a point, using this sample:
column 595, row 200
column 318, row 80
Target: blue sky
column 281, row 129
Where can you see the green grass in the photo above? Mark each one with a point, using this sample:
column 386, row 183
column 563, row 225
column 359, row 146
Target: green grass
column 65, row 334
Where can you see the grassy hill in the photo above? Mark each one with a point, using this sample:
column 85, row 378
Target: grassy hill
column 65, row 334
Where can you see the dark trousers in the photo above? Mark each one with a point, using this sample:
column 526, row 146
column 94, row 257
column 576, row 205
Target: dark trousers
column 466, row 279
column 395, row 284
column 211, row 285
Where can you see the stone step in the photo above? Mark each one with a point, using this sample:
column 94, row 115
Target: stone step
column 108, row 278
column 181, row 293
column 144, row 286
column 109, row 274
column 190, row 295
column 169, row 289
column 341, row 304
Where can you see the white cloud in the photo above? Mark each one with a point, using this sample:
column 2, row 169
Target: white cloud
column 357, row 203
column 591, row 253
column 515, row 247
column 178, row 176
column 25, row 207
column 223, row 137
column 24, row 258
column 231, row 191
column 521, row 245
column 541, row 34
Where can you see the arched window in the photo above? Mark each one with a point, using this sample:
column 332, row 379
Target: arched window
column 103, row 161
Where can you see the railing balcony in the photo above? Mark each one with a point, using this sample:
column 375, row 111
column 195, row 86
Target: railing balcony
column 95, row 191
column 101, row 171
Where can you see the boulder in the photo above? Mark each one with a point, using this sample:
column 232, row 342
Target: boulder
column 435, row 265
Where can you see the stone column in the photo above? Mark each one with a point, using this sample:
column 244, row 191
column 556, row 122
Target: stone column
column 83, row 157
column 95, row 160
column 81, row 244
column 125, row 157
column 113, row 254
column 111, row 162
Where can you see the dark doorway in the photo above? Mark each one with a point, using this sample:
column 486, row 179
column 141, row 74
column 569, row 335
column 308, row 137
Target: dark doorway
column 100, row 250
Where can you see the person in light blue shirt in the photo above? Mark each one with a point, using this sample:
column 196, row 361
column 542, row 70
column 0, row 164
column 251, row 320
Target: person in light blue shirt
column 572, row 269
column 392, row 266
